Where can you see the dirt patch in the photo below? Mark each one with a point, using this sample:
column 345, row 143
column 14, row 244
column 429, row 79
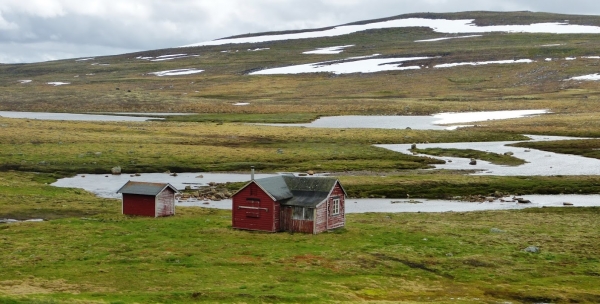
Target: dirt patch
column 40, row 286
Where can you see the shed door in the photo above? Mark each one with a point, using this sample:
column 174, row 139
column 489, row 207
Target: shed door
column 286, row 222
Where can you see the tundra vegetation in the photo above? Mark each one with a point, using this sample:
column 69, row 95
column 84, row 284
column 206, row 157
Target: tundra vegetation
column 88, row 252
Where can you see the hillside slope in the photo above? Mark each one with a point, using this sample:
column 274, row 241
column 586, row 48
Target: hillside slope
column 394, row 70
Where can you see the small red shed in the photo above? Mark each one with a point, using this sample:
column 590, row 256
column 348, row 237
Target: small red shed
column 148, row 199
column 290, row 203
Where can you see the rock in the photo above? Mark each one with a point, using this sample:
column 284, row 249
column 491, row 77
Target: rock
column 188, row 187
column 200, row 176
column 490, row 199
column 413, row 146
column 137, row 174
column 496, row 230
column 116, row 170
column 567, row 204
column 509, row 153
column 532, row 249
column 310, row 172
column 523, row 201
column 173, row 174
column 473, row 162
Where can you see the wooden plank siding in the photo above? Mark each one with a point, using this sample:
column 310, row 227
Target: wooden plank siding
column 291, row 224
column 165, row 203
column 139, row 204
column 326, row 219
column 337, row 220
column 253, row 209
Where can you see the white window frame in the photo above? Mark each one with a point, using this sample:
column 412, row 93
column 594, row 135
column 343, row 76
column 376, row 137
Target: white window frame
column 335, row 208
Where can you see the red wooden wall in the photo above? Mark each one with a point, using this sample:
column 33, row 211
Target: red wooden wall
column 134, row 204
column 253, row 209
column 325, row 219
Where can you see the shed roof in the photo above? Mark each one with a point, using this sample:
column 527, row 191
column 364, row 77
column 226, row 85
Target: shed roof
column 298, row 191
column 144, row 188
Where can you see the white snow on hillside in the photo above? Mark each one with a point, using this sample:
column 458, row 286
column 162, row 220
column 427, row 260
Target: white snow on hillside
column 592, row 77
column 367, row 65
column 178, row 72
column 449, row 65
column 165, row 57
column 25, row 81
column 437, row 25
column 329, row 50
column 58, row 83
column 447, row 38
column 345, row 67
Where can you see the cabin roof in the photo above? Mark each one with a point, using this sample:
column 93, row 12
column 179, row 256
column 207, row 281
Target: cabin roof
column 144, row 188
column 296, row 190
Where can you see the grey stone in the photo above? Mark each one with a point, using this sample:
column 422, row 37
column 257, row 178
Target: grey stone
column 532, row 249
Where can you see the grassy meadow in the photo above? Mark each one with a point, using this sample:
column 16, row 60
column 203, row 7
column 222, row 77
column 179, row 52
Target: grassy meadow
column 87, row 252
column 93, row 254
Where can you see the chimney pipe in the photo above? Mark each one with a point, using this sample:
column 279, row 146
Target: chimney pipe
column 252, row 173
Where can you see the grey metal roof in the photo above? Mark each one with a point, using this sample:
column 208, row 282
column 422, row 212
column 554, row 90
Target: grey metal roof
column 143, row 188
column 296, row 190
column 276, row 187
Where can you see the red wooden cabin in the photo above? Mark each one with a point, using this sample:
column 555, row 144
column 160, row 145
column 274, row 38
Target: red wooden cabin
column 290, row 203
column 148, row 199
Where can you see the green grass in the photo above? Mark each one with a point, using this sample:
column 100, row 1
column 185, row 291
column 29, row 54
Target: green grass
column 494, row 158
column 196, row 256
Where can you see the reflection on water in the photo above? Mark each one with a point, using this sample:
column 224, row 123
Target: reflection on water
column 538, row 162
column 433, row 122
column 107, row 186
column 386, row 205
column 71, row 117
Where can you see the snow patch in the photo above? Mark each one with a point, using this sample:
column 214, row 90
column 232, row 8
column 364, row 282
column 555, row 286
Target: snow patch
column 345, row 67
column 591, row 57
column 165, row 57
column 437, row 25
column 591, row 77
column 241, row 104
column 258, row 49
column 329, row 50
column 177, row 72
column 58, row 83
column 25, row 81
column 448, row 65
column 549, row 45
column 85, row 59
column 570, row 58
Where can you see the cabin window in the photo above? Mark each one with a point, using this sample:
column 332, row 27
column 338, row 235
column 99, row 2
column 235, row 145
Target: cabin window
column 336, row 206
column 254, row 208
column 301, row 213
